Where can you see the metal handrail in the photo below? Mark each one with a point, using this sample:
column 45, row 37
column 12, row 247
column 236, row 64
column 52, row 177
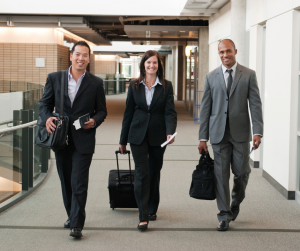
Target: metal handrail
column 18, row 127
column 7, row 122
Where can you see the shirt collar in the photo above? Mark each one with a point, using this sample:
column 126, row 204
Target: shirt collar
column 233, row 68
column 156, row 82
column 70, row 75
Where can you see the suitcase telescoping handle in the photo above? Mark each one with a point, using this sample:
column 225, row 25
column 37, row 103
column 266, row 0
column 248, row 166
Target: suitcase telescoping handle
column 128, row 152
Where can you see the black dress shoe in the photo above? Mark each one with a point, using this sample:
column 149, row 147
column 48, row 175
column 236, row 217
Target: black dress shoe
column 67, row 224
column 76, row 232
column 235, row 211
column 142, row 227
column 152, row 217
column 223, row 226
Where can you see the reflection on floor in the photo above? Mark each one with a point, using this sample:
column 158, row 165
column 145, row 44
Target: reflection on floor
column 5, row 195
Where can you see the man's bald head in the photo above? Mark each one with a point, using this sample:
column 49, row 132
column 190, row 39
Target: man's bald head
column 227, row 52
column 227, row 40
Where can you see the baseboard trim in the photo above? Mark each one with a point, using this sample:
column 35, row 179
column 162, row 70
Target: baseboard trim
column 254, row 164
column 289, row 195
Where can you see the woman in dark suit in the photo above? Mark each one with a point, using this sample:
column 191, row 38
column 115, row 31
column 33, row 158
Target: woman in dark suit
column 149, row 120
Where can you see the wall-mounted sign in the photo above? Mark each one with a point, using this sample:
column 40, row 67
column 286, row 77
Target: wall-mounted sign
column 39, row 62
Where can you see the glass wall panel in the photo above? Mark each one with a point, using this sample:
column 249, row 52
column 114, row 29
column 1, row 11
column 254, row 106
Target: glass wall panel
column 10, row 164
column 17, row 96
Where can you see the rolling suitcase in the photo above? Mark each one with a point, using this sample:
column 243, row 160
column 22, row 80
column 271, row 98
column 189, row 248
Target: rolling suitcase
column 121, row 186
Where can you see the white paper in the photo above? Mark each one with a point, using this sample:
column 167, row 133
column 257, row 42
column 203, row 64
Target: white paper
column 172, row 137
column 77, row 124
column 251, row 151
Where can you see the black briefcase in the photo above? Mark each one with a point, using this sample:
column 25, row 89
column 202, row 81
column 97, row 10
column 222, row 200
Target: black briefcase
column 203, row 185
column 121, row 186
column 58, row 139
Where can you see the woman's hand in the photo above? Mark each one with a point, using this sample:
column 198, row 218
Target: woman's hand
column 172, row 141
column 122, row 148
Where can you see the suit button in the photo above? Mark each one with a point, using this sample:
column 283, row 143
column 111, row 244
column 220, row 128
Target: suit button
column 227, row 99
column 225, row 112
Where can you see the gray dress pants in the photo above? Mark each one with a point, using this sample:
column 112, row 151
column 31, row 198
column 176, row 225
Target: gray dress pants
column 229, row 152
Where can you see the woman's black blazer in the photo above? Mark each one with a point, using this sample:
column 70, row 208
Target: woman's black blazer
column 158, row 122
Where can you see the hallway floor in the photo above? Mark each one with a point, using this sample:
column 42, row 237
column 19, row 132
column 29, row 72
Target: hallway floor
column 267, row 220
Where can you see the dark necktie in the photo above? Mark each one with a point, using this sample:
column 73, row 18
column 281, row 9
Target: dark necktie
column 229, row 81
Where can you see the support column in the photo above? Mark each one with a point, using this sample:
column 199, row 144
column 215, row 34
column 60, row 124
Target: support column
column 174, row 67
column 238, row 28
column 180, row 72
column 203, row 66
column 256, row 62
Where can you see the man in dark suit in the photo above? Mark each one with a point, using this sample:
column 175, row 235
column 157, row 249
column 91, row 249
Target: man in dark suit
column 84, row 94
column 225, row 119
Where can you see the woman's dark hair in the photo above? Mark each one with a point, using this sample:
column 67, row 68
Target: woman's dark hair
column 160, row 70
column 82, row 43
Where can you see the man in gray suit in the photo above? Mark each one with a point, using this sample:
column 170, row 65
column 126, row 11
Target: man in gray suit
column 225, row 119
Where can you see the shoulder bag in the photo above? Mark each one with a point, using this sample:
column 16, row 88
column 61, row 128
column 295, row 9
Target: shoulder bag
column 59, row 138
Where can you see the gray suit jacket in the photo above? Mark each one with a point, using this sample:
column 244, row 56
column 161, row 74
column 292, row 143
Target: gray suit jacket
column 215, row 101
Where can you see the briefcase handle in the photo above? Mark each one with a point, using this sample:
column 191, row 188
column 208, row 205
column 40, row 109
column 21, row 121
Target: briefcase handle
column 128, row 152
column 205, row 155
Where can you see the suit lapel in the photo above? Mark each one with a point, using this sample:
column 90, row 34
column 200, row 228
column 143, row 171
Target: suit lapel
column 66, row 82
column 157, row 91
column 221, row 79
column 84, row 84
column 237, row 77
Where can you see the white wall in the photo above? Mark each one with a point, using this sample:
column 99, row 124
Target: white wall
column 262, row 10
column 8, row 103
column 220, row 24
column 281, row 98
column 219, row 28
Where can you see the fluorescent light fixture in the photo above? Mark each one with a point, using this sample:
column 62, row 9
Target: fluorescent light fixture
column 188, row 50
column 182, row 31
column 147, row 34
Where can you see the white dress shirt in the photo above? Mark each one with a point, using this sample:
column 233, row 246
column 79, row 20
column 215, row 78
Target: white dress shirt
column 226, row 74
column 73, row 86
column 149, row 93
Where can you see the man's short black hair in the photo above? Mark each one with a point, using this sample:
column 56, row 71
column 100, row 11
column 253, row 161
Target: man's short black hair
column 82, row 43
column 227, row 40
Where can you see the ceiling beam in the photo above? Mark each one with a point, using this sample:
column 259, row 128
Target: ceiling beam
column 153, row 39
column 159, row 28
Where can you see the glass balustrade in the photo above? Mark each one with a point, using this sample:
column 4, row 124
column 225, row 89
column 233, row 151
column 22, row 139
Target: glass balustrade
column 21, row 162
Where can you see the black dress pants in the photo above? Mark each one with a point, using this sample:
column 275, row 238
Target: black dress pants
column 148, row 163
column 73, row 170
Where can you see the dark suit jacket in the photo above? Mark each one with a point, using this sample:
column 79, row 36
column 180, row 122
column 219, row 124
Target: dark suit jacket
column 159, row 121
column 90, row 98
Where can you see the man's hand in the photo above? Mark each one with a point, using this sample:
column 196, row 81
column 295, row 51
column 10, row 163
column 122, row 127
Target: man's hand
column 202, row 145
column 256, row 141
column 50, row 126
column 172, row 141
column 90, row 124
column 122, row 148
